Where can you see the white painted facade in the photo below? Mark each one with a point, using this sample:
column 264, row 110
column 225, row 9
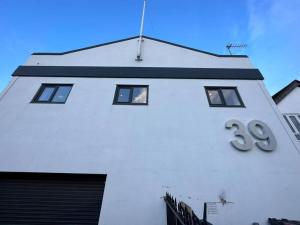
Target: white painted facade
column 290, row 104
column 176, row 144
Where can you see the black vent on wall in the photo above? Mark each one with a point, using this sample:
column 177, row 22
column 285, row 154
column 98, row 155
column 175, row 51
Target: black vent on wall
column 52, row 199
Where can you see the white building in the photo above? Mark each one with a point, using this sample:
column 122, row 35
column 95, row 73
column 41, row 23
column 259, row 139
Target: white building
column 287, row 100
column 76, row 123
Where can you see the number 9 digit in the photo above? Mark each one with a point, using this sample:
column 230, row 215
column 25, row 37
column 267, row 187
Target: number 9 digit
column 266, row 134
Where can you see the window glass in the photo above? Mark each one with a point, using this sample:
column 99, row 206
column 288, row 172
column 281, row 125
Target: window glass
column 295, row 122
column 123, row 95
column 214, row 97
column 289, row 123
column 61, row 94
column 131, row 95
column 46, row 94
column 139, row 95
column 224, row 97
column 52, row 93
column 230, row 97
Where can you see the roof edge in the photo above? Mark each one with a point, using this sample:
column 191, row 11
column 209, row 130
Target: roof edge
column 280, row 95
column 85, row 48
column 194, row 49
column 130, row 38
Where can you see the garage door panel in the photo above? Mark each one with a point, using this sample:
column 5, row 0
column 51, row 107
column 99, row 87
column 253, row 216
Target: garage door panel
column 34, row 198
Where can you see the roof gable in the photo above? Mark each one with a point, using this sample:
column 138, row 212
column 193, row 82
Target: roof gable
column 155, row 53
column 280, row 95
column 134, row 37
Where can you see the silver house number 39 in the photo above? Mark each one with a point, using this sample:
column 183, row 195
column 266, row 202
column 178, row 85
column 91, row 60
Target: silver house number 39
column 258, row 129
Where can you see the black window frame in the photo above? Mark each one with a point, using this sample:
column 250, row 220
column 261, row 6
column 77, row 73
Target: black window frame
column 219, row 90
column 293, row 126
column 42, row 88
column 130, row 87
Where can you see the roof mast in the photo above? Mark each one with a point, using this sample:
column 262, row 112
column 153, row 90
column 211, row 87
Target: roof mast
column 139, row 51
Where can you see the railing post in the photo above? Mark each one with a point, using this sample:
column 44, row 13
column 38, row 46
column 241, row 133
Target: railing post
column 205, row 213
column 182, row 214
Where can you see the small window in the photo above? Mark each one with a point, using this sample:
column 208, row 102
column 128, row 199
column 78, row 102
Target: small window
column 52, row 93
column 293, row 120
column 131, row 95
column 223, row 97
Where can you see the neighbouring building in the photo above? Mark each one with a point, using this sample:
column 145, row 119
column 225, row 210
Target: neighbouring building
column 94, row 136
column 288, row 102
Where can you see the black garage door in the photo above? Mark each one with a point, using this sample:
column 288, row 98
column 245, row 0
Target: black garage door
column 52, row 199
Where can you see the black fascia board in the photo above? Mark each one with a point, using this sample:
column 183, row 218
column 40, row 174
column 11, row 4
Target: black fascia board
column 285, row 91
column 130, row 38
column 138, row 72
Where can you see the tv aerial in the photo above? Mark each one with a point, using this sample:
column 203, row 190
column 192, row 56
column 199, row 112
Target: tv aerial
column 229, row 46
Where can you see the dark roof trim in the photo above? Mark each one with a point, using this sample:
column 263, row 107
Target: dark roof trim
column 285, row 91
column 81, row 49
column 138, row 72
column 126, row 39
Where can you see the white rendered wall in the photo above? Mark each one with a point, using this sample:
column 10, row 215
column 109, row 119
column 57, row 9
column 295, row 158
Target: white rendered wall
column 291, row 103
column 177, row 144
column 154, row 54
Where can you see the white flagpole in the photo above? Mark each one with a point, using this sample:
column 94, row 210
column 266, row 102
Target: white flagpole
column 139, row 52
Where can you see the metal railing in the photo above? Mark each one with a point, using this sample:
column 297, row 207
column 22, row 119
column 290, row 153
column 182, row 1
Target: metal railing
column 182, row 214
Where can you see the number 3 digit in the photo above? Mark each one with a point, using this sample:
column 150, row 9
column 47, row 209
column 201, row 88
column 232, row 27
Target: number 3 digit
column 240, row 132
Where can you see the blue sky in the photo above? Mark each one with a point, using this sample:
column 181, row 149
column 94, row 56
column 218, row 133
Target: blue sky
column 270, row 28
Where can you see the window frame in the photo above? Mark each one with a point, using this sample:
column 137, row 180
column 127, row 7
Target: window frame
column 43, row 86
column 223, row 104
column 130, row 87
column 294, row 128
